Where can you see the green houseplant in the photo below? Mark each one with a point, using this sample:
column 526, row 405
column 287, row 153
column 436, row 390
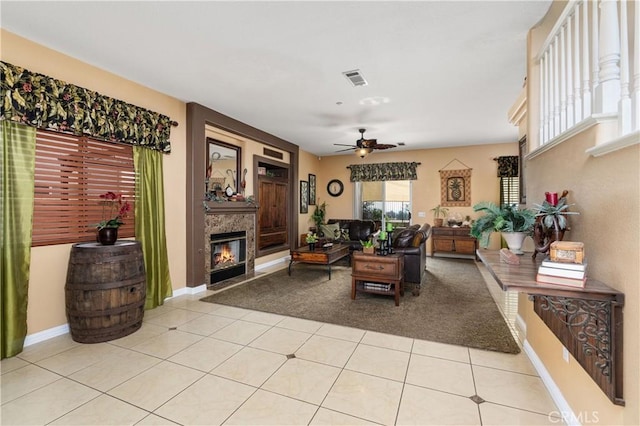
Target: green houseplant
column 503, row 219
column 319, row 214
column 311, row 239
column 118, row 209
column 367, row 246
column 551, row 222
column 553, row 217
column 439, row 213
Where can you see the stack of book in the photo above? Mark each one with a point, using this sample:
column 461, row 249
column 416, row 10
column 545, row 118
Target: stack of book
column 562, row 273
column 377, row 286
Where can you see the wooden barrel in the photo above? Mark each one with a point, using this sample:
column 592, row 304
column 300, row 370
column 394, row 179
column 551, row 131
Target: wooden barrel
column 105, row 291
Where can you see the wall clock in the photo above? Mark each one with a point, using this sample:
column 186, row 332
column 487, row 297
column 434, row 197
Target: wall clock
column 335, row 187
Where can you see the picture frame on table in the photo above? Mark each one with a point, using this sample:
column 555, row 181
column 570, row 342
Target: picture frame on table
column 312, row 189
column 304, row 196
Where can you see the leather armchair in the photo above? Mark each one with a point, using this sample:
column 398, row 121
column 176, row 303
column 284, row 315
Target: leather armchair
column 412, row 241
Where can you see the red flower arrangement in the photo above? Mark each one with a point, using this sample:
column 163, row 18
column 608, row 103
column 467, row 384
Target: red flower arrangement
column 116, row 204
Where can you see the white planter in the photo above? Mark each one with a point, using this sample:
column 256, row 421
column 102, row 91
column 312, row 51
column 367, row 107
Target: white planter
column 514, row 241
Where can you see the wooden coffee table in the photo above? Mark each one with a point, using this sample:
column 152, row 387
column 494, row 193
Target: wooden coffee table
column 319, row 256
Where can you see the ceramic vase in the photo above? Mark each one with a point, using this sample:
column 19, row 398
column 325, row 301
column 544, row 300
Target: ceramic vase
column 514, row 241
column 108, row 236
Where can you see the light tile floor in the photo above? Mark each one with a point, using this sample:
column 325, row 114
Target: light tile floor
column 196, row 363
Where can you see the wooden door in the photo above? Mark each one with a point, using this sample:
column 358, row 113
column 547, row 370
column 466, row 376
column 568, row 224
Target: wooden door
column 272, row 214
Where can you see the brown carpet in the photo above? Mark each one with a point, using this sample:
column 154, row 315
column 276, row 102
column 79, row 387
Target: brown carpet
column 454, row 305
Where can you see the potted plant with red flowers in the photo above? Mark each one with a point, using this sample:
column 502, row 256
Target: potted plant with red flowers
column 114, row 209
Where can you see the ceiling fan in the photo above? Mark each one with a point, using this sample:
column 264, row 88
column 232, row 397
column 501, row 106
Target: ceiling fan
column 364, row 146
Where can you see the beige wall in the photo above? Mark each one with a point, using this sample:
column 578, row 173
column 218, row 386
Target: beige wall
column 49, row 264
column 425, row 190
column 606, row 192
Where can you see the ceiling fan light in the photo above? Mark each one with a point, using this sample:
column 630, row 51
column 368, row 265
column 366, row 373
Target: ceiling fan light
column 363, row 152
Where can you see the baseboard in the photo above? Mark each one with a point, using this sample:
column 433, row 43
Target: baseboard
column 188, row 290
column 521, row 326
column 43, row 335
column 272, row 263
column 564, row 410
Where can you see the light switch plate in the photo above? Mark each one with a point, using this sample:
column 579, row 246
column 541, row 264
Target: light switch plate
column 421, row 214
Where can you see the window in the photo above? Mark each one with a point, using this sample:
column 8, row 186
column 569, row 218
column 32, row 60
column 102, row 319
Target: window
column 509, row 190
column 391, row 197
column 71, row 173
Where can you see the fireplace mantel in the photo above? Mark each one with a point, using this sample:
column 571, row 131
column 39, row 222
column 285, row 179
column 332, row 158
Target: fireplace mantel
column 224, row 207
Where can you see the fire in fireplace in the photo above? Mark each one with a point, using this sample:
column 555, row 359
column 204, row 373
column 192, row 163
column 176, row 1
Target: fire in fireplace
column 228, row 255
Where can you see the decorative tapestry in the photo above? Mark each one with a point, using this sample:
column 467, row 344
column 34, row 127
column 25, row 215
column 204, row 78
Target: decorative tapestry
column 383, row 171
column 455, row 188
column 43, row 102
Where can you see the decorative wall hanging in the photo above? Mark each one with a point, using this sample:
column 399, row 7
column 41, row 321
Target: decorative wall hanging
column 455, row 186
column 43, row 102
column 304, row 196
column 312, row 189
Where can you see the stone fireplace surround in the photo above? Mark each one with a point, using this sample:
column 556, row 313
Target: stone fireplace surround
column 216, row 222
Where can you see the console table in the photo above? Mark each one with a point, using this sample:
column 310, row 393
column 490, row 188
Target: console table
column 588, row 321
column 450, row 240
column 377, row 269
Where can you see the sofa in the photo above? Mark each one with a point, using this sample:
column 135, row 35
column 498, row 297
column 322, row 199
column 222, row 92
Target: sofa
column 412, row 241
column 349, row 231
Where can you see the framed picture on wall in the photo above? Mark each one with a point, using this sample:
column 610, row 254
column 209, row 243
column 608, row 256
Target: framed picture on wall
column 312, row 189
column 304, row 196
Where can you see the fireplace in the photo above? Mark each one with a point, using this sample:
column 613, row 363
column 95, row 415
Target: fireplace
column 228, row 255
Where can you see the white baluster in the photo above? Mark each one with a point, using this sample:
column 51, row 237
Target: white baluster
column 569, row 55
column 577, row 102
column 556, row 88
column 608, row 91
column 586, row 83
column 562, row 53
column 547, row 96
column 595, row 66
column 542, row 127
column 636, row 67
column 624, row 105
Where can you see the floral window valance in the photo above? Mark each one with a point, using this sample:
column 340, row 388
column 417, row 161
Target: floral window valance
column 383, row 171
column 41, row 101
column 507, row 166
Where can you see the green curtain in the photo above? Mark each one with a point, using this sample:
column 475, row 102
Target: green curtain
column 18, row 145
column 150, row 229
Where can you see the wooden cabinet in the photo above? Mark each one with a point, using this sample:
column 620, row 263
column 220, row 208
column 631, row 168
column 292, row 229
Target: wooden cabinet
column 272, row 213
column 377, row 274
column 452, row 241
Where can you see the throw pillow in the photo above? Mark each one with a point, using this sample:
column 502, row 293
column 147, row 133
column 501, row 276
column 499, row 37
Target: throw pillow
column 344, row 234
column 331, row 232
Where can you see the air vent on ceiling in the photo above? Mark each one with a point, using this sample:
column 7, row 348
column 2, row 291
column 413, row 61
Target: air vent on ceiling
column 355, row 77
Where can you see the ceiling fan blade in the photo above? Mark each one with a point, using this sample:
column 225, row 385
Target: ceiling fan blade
column 383, row 146
column 348, row 149
column 344, row 144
